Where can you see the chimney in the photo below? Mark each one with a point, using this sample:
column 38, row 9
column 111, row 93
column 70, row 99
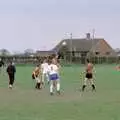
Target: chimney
column 88, row 37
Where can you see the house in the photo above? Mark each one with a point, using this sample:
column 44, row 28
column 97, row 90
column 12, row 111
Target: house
column 85, row 47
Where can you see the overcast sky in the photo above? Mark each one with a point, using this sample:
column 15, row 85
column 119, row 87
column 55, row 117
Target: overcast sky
column 41, row 24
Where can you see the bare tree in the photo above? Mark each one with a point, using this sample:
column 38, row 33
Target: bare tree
column 4, row 52
column 29, row 52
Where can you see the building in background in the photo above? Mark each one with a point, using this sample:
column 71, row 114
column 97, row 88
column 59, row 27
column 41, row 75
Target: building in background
column 85, row 47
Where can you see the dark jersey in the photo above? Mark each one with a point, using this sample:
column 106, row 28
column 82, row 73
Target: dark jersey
column 11, row 69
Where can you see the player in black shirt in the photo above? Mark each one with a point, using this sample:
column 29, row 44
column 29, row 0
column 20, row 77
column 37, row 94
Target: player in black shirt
column 11, row 70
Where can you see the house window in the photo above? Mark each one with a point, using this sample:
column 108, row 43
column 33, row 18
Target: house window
column 107, row 53
column 73, row 53
column 97, row 53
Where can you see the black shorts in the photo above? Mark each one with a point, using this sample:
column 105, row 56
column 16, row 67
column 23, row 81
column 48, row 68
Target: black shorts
column 33, row 76
column 89, row 75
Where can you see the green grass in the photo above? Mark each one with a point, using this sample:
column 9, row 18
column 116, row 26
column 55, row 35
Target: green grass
column 26, row 103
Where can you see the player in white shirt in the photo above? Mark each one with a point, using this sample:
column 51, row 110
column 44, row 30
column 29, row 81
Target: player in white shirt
column 44, row 70
column 53, row 70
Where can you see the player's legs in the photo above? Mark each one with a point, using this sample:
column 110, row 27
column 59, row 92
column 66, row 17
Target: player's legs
column 51, row 87
column 58, row 86
column 11, row 80
column 38, row 85
column 43, row 79
column 58, row 83
column 47, row 77
column 92, row 84
column 54, row 83
column 34, row 78
column 85, row 84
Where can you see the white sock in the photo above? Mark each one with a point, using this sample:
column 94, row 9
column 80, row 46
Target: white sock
column 58, row 86
column 51, row 88
column 47, row 77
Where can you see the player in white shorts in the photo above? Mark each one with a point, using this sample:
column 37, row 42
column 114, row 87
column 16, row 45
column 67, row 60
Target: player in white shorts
column 44, row 70
column 54, row 77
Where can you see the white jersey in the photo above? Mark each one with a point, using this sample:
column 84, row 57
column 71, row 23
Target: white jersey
column 44, row 68
column 52, row 69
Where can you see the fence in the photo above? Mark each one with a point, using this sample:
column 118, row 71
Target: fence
column 94, row 60
column 22, row 59
column 65, row 60
column 80, row 58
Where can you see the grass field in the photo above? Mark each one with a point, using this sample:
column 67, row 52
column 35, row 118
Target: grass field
column 26, row 103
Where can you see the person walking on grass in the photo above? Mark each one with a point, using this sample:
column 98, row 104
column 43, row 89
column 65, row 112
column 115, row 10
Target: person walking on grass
column 11, row 70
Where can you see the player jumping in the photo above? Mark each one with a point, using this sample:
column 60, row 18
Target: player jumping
column 89, row 76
